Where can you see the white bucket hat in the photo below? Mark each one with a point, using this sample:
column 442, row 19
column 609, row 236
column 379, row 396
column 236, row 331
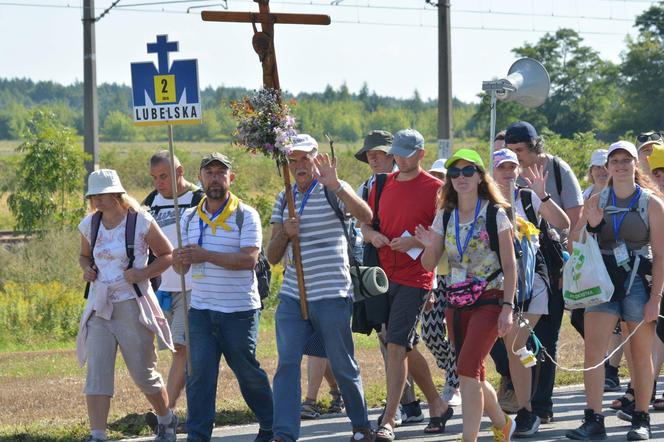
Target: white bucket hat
column 104, row 181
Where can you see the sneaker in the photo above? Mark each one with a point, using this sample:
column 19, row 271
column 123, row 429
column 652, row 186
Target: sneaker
column 592, row 427
column 166, row 433
column 504, row 434
column 337, row 403
column 507, row 396
column 611, row 379
column 264, row 435
column 451, row 395
column 309, row 410
column 640, row 426
column 363, row 435
column 411, row 412
column 398, row 417
column 527, row 423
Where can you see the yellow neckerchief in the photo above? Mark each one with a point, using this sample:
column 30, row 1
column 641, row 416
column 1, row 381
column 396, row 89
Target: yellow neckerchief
column 231, row 206
column 525, row 228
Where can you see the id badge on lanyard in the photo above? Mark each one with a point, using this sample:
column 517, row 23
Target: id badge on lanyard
column 459, row 274
column 621, row 254
column 620, row 251
column 198, row 270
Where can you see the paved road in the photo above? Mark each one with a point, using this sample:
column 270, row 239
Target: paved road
column 569, row 403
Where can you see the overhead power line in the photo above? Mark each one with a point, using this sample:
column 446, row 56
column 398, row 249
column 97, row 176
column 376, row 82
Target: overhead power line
column 136, row 7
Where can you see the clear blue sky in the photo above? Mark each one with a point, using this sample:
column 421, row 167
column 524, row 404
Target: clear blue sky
column 46, row 43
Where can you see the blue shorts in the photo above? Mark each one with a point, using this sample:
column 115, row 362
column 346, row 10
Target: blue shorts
column 631, row 307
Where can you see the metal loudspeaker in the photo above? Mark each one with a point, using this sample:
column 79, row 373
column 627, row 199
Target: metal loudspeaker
column 527, row 83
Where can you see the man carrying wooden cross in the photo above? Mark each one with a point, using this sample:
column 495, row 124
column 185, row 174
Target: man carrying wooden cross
column 329, row 289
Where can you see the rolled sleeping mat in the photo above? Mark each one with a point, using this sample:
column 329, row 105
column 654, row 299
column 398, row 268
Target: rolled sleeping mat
column 374, row 282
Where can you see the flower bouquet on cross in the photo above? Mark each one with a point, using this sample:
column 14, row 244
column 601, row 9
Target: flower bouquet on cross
column 265, row 125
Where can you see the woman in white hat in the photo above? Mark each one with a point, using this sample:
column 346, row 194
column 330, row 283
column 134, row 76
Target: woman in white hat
column 121, row 310
column 598, row 175
column 626, row 217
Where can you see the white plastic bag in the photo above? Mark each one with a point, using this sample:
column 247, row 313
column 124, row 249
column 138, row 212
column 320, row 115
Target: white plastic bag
column 586, row 282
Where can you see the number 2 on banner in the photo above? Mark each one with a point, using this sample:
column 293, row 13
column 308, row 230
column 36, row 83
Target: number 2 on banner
column 164, row 88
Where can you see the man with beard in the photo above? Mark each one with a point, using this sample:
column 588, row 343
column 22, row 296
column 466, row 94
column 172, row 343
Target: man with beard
column 222, row 252
column 328, row 285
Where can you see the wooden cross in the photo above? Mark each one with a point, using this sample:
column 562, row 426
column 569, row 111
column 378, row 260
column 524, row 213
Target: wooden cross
column 263, row 43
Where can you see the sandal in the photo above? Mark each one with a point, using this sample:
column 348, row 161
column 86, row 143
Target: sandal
column 337, row 402
column 384, row 434
column 437, row 423
column 625, row 401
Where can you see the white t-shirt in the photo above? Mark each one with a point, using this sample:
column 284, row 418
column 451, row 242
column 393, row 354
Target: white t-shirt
column 110, row 253
column 214, row 287
column 165, row 218
column 536, row 201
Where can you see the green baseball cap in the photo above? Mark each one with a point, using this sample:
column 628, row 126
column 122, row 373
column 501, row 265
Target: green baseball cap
column 469, row 155
column 216, row 156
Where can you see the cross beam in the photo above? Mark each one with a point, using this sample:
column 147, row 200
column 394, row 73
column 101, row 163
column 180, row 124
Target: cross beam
column 252, row 17
column 263, row 43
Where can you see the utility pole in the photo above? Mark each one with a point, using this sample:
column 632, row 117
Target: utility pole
column 444, row 81
column 90, row 102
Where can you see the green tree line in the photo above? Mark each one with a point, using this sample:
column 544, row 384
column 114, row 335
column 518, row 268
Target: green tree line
column 588, row 94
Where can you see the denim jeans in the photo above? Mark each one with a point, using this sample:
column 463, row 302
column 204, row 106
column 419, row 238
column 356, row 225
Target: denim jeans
column 233, row 335
column 331, row 319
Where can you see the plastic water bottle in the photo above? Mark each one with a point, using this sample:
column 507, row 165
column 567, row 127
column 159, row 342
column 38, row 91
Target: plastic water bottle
column 527, row 357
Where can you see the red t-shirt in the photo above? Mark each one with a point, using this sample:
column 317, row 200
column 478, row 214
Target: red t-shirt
column 403, row 206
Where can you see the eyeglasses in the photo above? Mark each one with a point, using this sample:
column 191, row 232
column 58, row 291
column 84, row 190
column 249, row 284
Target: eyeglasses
column 455, row 172
column 649, row 136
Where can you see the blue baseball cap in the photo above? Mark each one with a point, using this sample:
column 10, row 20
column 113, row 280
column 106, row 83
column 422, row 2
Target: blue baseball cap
column 406, row 142
column 520, row 132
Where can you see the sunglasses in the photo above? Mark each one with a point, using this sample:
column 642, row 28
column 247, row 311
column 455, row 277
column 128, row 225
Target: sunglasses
column 455, row 172
column 649, row 136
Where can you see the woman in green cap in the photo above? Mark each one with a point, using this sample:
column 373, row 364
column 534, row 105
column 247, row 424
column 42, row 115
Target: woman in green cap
column 471, row 224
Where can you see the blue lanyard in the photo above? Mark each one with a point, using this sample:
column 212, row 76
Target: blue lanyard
column 617, row 222
column 470, row 232
column 306, row 196
column 202, row 225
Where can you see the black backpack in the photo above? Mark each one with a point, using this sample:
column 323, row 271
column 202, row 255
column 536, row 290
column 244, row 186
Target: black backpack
column 550, row 248
column 197, row 195
column 262, row 269
column 130, row 235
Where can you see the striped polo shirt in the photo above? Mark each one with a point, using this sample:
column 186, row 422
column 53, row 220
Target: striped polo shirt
column 323, row 246
column 214, row 287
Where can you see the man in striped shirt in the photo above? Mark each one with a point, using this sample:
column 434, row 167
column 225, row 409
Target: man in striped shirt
column 328, row 286
column 225, row 304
